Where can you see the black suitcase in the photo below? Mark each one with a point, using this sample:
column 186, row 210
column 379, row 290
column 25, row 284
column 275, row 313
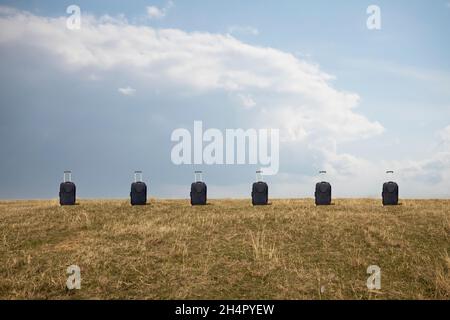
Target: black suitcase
column 198, row 191
column 390, row 193
column 260, row 191
column 323, row 193
column 138, row 192
column 67, row 190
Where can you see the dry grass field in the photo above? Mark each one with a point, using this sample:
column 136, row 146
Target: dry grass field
column 225, row 250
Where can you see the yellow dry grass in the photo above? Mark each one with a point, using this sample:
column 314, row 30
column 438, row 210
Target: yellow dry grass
column 225, row 250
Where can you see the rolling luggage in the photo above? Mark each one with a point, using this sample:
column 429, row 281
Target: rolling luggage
column 390, row 192
column 322, row 193
column 198, row 190
column 260, row 191
column 67, row 190
column 138, row 192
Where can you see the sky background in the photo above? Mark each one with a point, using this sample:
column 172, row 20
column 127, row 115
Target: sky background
column 103, row 101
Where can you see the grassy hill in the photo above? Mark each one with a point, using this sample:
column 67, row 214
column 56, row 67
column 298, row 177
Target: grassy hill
column 225, row 250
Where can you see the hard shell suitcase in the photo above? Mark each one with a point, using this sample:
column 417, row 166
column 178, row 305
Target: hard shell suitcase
column 67, row 190
column 260, row 191
column 390, row 192
column 138, row 192
column 322, row 193
column 198, row 190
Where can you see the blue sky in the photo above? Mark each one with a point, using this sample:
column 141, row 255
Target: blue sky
column 383, row 100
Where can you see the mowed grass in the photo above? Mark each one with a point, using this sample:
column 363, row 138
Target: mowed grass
column 225, row 250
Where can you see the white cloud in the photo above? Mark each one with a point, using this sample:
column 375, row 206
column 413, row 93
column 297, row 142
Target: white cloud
column 128, row 91
column 430, row 171
column 444, row 138
column 298, row 96
column 434, row 170
column 246, row 100
column 156, row 13
column 277, row 89
column 245, row 30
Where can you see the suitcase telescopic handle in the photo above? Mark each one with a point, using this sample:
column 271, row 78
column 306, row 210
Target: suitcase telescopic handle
column 68, row 174
column 138, row 176
column 198, row 176
column 259, row 176
column 389, row 173
column 322, row 174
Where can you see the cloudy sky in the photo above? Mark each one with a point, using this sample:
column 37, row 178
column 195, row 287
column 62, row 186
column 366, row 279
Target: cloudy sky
column 104, row 99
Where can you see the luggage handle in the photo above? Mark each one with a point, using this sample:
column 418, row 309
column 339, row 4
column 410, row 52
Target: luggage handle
column 259, row 176
column 67, row 173
column 322, row 174
column 389, row 174
column 198, row 176
column 138, row 176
